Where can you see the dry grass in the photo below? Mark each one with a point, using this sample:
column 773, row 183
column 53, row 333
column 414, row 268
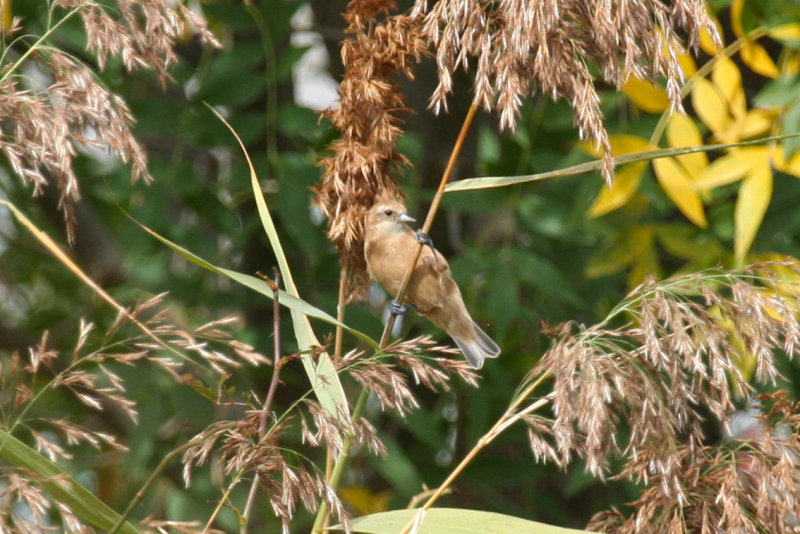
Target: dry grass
column 44, row 123
column 664, row 377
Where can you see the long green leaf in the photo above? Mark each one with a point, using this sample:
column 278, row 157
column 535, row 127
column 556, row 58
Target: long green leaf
column 490, row 182
column 321, row 372
column 453, row 521
column 60, row 485
column 290, row 302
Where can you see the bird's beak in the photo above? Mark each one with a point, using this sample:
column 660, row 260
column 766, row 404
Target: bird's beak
column 405, row 217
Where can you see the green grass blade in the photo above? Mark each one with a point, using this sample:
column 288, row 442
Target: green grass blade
column 60, row 485
column 489, row 182
column 453, row 521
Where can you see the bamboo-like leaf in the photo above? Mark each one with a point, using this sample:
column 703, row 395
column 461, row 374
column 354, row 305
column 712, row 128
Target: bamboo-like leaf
column 60, row 485
column 678, row 187
column 625, row 184
column 710, row 106
column 321, row 372
column 682, row 132
column 754, row 196
column 453, row 521
column 757, row 58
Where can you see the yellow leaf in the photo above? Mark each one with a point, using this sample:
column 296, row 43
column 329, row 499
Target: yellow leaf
column 620, row 145
column 756, row 57
column 363, row 501
column 790, row 62
column 687, row 64
column 787, row 32
column 789, row 167
column 678, row 186
column 645, row 95
column 725, row 170
column 681, row 132
column 625, row 184
column 728, row 80
column 754, row 196
column 736, row 17
column 710, row 106
column 755, row 122
column 707, row 42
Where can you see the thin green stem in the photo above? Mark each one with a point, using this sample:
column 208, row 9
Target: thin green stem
column 338, row 467
column 511, row 416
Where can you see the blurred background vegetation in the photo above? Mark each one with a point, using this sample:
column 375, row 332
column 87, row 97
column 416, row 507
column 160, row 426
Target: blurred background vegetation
column 525, row 257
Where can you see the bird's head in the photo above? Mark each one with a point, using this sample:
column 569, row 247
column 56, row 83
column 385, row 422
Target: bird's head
column 387, row 215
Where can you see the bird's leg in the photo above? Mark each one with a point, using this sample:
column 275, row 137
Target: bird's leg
column 425, row 239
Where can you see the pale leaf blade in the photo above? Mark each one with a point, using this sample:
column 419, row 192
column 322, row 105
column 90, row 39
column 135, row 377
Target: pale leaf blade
column 453, row 521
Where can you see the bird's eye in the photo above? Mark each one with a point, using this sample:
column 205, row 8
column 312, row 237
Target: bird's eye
column 388, row 212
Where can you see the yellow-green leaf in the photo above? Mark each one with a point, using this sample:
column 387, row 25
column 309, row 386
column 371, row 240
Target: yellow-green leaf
column 785, row 32
column 756, row 57
column 452, row 521
column 678, row 186
column 710, row 106
column 625, row 251
column 754, row 196
column 682, row 132
column 622, row 189
column 736, row 17
column 725, row 170
column 646, row 96
column 728, row 81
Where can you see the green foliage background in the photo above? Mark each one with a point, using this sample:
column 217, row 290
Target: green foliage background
column 525, row 257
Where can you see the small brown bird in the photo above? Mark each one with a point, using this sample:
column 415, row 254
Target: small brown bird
column 389, row 250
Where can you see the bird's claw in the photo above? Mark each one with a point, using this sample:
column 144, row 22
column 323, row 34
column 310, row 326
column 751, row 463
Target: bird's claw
column 425, row 239
column 395, row 308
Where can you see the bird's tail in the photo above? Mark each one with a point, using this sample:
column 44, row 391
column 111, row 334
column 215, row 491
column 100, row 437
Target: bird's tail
column 479, row 348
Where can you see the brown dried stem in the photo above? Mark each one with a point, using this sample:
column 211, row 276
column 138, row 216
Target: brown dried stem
column 273, row 386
